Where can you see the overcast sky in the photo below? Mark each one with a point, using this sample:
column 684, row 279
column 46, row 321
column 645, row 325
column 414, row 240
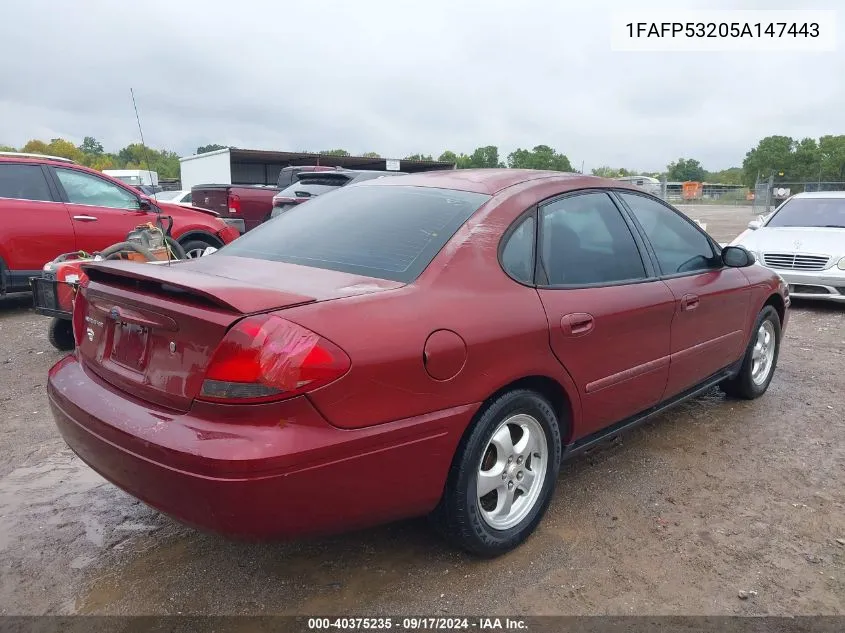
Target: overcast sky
column 399, row 77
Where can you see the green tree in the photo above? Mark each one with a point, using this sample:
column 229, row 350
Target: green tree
column 485, row 157
column 91, row 146
column 7, row 148
column 371, row 155
column 35, row 147
column 832, row 157
column 419, row 157
column 730, row 176
column 334, row 152
column 541, row 157
column 213, row 147
column 462, row 161
column 613, row 172
column 686, row 169
column 772, row 155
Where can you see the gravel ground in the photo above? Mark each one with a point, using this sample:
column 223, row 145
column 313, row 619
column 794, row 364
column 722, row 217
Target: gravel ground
column 713, row 498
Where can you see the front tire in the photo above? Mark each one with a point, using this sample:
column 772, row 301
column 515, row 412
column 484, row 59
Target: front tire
column 503, row 475
column 195, row 248
column 760, row 360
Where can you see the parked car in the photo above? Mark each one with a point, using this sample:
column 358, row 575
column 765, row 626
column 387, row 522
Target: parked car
column 250, row 205
column 50, row 206
column 289, row 175
column 400, row 348
column 804, row 242
column 314, row 184
column 181, row 196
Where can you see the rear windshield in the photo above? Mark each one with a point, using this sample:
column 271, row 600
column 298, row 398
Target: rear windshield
column 388, row 232
column 828, row 212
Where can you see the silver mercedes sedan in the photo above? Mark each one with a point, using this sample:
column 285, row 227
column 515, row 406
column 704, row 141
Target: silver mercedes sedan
column 803, row 240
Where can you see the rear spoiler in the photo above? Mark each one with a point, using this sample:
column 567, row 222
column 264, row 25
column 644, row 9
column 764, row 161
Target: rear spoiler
column 179, row 282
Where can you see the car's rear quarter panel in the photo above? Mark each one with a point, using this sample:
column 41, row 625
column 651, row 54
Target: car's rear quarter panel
column 502, row 323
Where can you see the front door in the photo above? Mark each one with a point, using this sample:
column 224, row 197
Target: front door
column 34, row 224
column 609, row 316
column 102, row 212
column 711, row 300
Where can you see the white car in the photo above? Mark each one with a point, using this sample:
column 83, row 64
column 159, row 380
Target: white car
column 803, row 240
column 176, row 197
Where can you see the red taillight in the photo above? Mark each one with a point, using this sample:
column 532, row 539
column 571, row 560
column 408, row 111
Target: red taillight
column 234, row 203
column 265, row 357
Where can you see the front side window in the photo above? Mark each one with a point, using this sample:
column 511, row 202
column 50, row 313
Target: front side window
column 82, row 188
column 585, row 240
column 23, row 182
column 518, row 253
column 678, row 245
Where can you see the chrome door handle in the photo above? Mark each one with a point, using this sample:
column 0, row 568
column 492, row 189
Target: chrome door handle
column 85, row 218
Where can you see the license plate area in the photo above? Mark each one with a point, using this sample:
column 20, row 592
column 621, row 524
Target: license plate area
column 129, row 347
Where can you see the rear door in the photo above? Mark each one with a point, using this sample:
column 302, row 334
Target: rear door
column 711, row 300
column 102, row 212
column 34, row 224
column 609, row 315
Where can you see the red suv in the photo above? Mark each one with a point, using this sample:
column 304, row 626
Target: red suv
column 50, row 206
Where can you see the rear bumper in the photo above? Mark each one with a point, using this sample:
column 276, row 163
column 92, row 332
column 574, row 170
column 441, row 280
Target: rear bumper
column 283, row 472
column 825, row 284
column 236, row 223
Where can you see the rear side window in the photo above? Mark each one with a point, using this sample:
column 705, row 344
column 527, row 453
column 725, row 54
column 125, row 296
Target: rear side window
column 377, row 231
column 518, row 253
column 23, row 182
column 586, row 241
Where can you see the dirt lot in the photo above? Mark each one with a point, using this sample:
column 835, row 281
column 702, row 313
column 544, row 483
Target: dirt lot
column 710, row 499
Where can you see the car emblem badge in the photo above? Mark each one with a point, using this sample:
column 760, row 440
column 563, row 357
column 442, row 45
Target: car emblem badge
column 115, row 314
column 172, row 347
column 797, row 244
column 90, row 334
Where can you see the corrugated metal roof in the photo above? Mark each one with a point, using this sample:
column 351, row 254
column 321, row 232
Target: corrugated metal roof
column 349, row 162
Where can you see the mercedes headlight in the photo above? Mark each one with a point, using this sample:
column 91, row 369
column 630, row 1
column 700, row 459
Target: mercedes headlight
column 841, row 264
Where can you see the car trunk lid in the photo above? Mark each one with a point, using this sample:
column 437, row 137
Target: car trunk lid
column 151, row 330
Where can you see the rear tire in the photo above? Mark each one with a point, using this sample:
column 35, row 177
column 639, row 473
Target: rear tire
column 513, row 453
column 760, row 360
column 60, row 334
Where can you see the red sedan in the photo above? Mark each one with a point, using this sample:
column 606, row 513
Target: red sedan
column 424, row 344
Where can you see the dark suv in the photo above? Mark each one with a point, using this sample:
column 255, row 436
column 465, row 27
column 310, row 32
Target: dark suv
column 316, row 183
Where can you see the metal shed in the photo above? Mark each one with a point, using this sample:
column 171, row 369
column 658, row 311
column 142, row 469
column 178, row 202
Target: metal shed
column 261, row 167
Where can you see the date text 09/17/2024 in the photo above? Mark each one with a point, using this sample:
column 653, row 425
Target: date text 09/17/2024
column 417, row 624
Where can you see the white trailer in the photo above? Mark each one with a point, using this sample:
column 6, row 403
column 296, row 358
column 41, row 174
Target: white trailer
column 209, row 168
column 134, row 177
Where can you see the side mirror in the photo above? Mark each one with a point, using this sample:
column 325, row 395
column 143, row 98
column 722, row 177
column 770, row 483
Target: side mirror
column 737, row 257
column 755, row 224
column 145, row 204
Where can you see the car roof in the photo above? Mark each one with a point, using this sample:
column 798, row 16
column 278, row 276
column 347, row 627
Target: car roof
column 492, row 181
column 820, row 194
column 18, row 157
